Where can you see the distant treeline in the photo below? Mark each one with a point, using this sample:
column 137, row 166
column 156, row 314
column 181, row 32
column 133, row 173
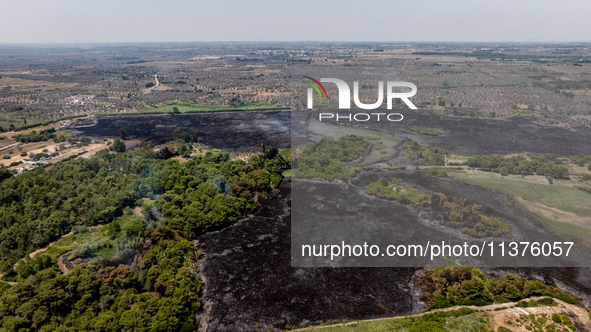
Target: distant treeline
column 519, row 165
column 156, row 112
column 502, row 56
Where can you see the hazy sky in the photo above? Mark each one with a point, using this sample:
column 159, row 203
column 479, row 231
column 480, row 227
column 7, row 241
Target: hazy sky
column 92, row 21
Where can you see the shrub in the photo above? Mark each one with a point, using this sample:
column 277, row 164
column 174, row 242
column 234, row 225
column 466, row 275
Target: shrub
column 437, row 172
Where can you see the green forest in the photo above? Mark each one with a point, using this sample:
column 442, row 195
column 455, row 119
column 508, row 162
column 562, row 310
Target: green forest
column 179, row 200
column 163, row 296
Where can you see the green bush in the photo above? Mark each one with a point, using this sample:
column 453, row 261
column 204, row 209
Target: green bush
column 438, row 172
column 449, row 286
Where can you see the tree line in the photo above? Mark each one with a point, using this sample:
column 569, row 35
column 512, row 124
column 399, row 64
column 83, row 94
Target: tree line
column 520, row 165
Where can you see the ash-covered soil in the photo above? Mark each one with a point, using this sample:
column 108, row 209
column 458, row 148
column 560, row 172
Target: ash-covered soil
column 229, row 131
column 469, row 136
column 250, row 284
column 331, row 212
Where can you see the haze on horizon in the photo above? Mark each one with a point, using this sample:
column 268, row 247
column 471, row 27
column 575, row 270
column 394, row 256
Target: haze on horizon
column 110, row 21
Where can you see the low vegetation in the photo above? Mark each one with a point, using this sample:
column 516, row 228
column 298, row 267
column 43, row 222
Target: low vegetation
column 469, row 218
column 581, row 160
column 450, row 286
column 565, row 198
column 326, row 159
column 395, row 189
column 430, row 156
column 455, row 212
column 541, row 322
column 464, row 319
column 438, row 172
column 426, row 131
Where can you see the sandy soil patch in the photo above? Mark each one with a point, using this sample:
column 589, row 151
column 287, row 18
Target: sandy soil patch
column 556, row 214
column 579, row 170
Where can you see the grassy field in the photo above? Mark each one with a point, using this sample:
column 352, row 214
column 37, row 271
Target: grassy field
column 99, row 242
column 453, row 321
column 182, row 107
column 6, row 119
column 561, row 197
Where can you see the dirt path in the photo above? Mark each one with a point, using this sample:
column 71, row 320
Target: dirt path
column 155, row 86
column 8, row 146
column 497, row 318
column 8, row 282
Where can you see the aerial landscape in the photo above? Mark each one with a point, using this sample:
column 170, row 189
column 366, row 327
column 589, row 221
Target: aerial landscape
column 150, row 186
column 296, row 166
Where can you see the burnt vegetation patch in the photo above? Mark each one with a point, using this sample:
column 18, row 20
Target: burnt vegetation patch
column 251, row 286
column 235, row 131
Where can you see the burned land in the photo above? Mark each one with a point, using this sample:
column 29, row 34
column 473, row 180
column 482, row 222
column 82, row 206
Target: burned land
column 231, row 131
column 479, row 98
column 468, row 135
column 250, row 284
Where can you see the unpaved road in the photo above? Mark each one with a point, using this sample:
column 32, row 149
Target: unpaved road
column 8, row 146
column 155, row 86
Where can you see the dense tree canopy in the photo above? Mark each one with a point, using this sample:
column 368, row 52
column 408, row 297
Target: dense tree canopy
column 208, row 191
column 93, row 298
